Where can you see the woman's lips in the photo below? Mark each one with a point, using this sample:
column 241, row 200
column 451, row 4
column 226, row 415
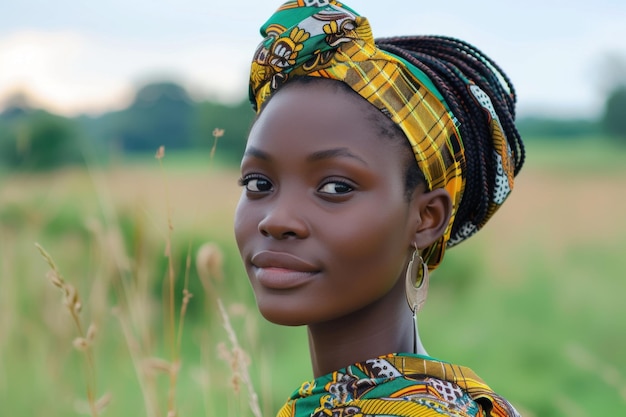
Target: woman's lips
column 281, row 271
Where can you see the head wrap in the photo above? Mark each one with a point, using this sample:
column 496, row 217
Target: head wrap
column 324, row 38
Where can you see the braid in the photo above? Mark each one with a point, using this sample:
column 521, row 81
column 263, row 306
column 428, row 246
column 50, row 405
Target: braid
column 449, row 63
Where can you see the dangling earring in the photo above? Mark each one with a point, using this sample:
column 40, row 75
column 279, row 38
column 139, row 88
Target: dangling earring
column 416, row 282
column 416, row 288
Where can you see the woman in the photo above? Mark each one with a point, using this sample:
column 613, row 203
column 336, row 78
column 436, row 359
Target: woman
column 365, row 162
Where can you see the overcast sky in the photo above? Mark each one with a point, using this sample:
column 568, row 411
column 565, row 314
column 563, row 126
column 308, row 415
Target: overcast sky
column 76, row 56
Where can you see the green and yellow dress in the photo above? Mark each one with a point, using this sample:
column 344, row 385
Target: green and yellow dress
column 397, row 385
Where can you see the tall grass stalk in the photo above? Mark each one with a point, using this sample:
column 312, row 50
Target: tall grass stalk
column 84, row 341
column 239, row 362
column 209, row 267
column 170, row 305
column 217, row 133
column 127, row 275
column 132, row 291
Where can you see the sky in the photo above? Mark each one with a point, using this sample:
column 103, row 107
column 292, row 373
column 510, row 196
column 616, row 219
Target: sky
column 73, row 56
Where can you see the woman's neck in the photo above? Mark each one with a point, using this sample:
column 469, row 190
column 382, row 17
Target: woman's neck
column 383, row 327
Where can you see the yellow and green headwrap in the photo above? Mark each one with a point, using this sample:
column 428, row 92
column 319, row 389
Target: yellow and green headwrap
column 324, row 38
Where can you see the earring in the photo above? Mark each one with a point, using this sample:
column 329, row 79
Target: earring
column 416, row 282
column 416, row 290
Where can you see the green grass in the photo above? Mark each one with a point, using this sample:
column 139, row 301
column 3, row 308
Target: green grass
column 533, row 304
column 179, row 160
column 595, row 155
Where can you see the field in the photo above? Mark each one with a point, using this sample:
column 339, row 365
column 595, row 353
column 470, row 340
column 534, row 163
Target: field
column 534, row 304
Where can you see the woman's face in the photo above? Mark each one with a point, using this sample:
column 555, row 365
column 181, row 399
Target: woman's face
column 323, row 224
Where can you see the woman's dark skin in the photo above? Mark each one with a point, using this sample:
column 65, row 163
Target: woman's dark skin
column 325, row 228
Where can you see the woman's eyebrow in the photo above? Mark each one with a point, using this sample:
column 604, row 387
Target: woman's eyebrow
column 251, row 151
column 257, row 153
column 334, row 153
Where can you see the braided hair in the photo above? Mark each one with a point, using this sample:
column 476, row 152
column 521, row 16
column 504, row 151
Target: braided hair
column 449, row 63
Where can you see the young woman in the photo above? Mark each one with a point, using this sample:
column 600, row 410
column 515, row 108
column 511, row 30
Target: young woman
column 367, row 159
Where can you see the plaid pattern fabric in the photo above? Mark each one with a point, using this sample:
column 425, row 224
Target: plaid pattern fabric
column 398, row 386
column 324, row 38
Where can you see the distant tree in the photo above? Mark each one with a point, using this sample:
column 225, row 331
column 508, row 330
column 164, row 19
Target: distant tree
column 161, row 114
column 546, row 128
column 37, row 140
column 234, row 119
column 614, row 117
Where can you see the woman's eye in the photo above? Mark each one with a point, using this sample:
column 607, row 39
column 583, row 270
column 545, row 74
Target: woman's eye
column 335, row 187
column 256, row 185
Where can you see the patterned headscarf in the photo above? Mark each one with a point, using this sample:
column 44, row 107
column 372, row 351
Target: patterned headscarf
column 324, row 38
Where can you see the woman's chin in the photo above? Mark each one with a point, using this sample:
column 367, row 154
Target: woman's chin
column 281, row 315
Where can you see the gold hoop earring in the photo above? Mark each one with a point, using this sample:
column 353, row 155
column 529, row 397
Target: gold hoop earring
column 416, row 282
column 416, row 290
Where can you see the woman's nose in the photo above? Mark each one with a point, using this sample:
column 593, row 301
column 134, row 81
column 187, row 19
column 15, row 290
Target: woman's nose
column 284, row 219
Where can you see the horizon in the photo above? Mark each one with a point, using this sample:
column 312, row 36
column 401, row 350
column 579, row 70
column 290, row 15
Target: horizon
column 89, row 59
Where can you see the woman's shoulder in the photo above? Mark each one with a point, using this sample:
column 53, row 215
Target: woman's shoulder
column 398, row 385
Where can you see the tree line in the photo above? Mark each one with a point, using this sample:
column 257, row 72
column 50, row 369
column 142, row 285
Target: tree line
column 163, row 113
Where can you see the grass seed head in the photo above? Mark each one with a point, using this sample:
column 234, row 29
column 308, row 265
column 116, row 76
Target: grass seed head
column 91, row 333
column 209, row 262
column 154, row 365
column 103, row 401
column 81, row 344
column 55, row 278
column 218, row 133
column 72, row 301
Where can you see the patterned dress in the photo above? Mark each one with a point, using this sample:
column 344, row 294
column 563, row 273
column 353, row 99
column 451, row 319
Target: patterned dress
column 398, row 385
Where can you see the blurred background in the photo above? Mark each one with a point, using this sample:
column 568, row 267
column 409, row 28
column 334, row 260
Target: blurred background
column 141, row 248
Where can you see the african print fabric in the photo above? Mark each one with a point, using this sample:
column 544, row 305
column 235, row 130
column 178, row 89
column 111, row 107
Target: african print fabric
column 324, row 38
column 397, row 386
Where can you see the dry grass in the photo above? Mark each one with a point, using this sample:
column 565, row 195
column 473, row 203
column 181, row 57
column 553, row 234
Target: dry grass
column 138, row 313
column 85, row 339
column 197, row 199
column 548, row 214
column 572, row 207
column 553, row 213
column 239, row 362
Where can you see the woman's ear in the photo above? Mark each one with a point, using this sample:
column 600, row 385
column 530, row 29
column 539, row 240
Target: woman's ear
column 432, row 212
